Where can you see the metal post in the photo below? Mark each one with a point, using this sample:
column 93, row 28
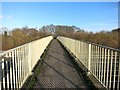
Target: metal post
column 111, row 69
column 7, row 71
column 13, row 62
column 104, row 69
column 114, row 77
column 3, row 72
column 89, row 59
column 100, row 63
column 118, row 72
column 11, row 69
column 108, row 67
column 29, row 58
column 0, row 74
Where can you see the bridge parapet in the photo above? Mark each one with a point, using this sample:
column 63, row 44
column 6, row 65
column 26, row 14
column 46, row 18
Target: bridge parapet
column 17, row 64
column 101, row 61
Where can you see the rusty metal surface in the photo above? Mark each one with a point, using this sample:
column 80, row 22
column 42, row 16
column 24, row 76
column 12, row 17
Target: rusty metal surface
column 58, row 71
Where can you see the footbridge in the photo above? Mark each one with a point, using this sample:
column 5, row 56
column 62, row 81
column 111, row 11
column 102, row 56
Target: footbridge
column 60, row 63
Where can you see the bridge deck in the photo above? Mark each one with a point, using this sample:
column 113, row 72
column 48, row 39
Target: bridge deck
column 58, row 71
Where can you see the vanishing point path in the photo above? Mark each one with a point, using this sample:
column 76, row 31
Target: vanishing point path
column 58, row 71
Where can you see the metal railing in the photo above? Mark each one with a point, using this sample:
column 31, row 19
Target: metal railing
column 103, row 62
column 17, row 64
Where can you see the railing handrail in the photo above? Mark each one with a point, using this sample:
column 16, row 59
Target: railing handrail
column 101, row 61
column 16, row 64
column 103, row 46
column 5, row 52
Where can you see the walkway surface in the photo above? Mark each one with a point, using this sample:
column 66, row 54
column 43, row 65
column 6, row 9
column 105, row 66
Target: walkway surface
column 58, row 71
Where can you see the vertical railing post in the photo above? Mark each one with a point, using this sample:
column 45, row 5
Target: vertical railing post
column 7, row 71
column 118, row 72
column 13, row 63
column 114, row 76
column 16, row 64
column 0, row 77
column 3, row 73
column 29, row 58
column 89, row 58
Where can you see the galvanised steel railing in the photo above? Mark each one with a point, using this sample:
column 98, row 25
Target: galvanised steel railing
column 103, row 62
column 17, row 64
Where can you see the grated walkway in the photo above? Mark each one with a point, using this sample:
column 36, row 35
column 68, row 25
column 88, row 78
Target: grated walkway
column 58, row 71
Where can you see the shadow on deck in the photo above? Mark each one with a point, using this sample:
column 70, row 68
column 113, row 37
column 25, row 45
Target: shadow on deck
column 58, row 71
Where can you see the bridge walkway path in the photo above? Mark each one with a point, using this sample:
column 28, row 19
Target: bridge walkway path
column 58, row 71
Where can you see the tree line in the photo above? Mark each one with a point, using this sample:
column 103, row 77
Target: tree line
column 106, row 38
column 20, row 36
